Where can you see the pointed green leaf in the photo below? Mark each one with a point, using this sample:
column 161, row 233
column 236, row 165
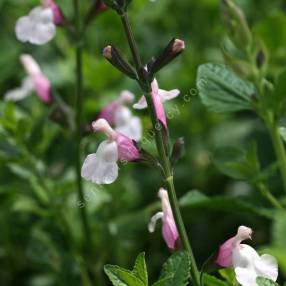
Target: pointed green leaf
column 265, row 282
column 164, row 282
column 140, row 269
column 228, row 275
column 197, row 200
column 179, row 266
column 238, row 163
column 221, row 90
column 213, row 281
column 121, row 277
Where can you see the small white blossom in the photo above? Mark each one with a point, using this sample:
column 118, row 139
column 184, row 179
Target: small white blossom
column 36, row 28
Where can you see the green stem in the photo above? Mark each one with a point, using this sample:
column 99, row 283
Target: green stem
column 269, row 119
column 278, row 146
column 131, row 41
column 78, row 135
column 163, row 154
column 268, row 196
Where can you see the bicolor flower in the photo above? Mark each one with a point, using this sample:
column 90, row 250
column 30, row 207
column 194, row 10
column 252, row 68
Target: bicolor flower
column 20, row 92
column 159, row 96
column 247, row 263
column 35, row 81
column 101, row 167
column 169, row 228
column 121, row 117
column 58, row 16
column 39, row 26
column 108, row 112
column 127, row 124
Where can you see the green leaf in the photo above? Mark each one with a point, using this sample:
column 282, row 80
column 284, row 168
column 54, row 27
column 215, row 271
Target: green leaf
column 238, row 163
column 25, row 204
column 228, row 275
column 122, row 277
column 213, row 281
column 197, row 200
column 164, row 282
column 179, row 266
column 265, row 282
column 140, row 269
column 221, row 90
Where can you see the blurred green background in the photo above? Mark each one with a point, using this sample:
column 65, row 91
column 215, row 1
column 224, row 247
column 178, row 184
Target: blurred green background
column 38, row 200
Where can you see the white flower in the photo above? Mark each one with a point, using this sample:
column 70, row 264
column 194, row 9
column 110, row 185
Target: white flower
column 101, row 167
column 21, row 92
column 127, row 124
column 36, row 28
column 163, row 94
column 247, row 263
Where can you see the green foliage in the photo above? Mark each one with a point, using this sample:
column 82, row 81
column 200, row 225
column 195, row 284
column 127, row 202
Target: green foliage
column 178, row 266
column 197, row 200
column 265, row 282
column 221, row 90
column 140, row 269
column 228, row 275
column 175, row 271
column 41, row 237
column 238, row 163
column 213, row 281
column 123, row 277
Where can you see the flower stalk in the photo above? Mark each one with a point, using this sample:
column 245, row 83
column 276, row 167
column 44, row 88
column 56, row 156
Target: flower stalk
column 161, row 148
column 271, row 123
column 78, row 132
column 278, row 147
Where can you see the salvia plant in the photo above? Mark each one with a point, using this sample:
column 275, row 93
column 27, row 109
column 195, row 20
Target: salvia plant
column 244, row 83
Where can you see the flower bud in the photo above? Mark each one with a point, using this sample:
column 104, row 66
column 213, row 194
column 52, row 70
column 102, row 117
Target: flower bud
column 178, row 46
column 178, row 149
column 116, row 59
column 172, row 50
column 107, row 52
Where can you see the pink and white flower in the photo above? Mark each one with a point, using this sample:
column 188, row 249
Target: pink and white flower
column 247, row 263
column 35, row 81
column 58, row 16
column 101, row 167
column 117, row 114
column 169, row 228
column 108, row 112
column 39, row 26
column 159, row 96
column 128, row 124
